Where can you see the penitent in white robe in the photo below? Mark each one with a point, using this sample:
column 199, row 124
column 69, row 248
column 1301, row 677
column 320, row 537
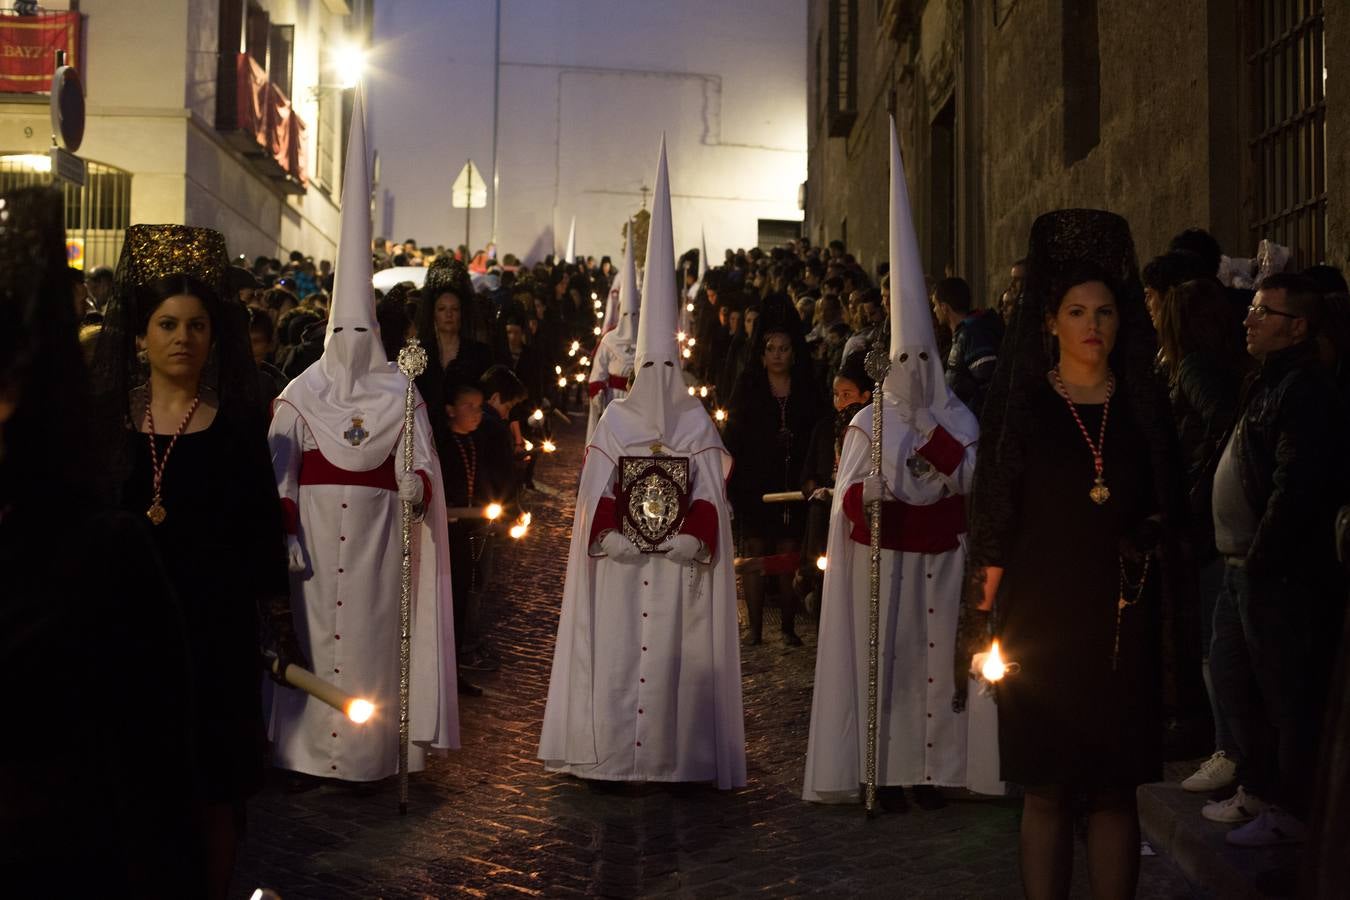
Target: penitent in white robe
column 646, row 681
column 920, row 739
column 610, row 371
column 347, row 608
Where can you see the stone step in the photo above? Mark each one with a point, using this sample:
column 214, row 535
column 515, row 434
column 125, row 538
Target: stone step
column 1171, row 821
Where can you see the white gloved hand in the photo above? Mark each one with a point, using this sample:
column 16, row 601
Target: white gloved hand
column 822, row 494
column 295, row 553
column 619, row 548
column 874, row 489
column 682, row 548
column 410, row 487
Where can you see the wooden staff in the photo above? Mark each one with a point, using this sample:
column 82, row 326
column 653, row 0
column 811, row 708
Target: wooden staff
column 412, row 361
column 878, row 364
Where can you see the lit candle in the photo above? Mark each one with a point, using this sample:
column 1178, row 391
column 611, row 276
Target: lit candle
column 992, row 667
column 720, row 415
column 356, row 709
column 820, row 563
column 549, row 446
column 538, row 414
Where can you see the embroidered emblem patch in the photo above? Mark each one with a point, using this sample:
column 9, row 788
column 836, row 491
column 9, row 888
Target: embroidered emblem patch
column 356, row 434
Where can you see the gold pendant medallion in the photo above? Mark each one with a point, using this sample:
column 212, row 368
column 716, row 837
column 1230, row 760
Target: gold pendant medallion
column 1099, row 493
column 156, row 513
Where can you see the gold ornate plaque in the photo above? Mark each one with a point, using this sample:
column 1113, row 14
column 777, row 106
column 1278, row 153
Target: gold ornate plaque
column 653, row 497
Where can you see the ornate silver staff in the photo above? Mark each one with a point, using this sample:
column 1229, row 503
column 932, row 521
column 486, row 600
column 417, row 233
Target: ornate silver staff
column 878, row 364
column 412, row 361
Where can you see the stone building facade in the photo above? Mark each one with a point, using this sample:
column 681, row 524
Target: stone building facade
column 1231, row 115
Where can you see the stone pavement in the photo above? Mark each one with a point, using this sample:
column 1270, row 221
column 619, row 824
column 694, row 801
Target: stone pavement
column 489, row 821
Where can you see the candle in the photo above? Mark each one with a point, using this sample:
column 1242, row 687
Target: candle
column 357, row 709
column 820, row 563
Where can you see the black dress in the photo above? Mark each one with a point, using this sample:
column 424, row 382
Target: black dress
column 767, row 438
column 223, row 547
column 1067, row 717
column 467, row 367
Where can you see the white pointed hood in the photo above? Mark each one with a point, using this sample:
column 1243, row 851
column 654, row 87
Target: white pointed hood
column 702, row 256
column 628, row 307
column 351, row 397
column 916, row 377
column 659, row 406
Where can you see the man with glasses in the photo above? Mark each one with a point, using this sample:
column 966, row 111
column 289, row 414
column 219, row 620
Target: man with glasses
column 1276, row 490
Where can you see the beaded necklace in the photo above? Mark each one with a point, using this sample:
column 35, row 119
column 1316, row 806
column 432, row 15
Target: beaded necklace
column 1099, row 493
column 156, row 513
column 468, row 460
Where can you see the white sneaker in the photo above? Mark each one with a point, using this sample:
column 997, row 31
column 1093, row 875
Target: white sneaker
column 1239, row 808
column 1216, row 772
column 1271, row 828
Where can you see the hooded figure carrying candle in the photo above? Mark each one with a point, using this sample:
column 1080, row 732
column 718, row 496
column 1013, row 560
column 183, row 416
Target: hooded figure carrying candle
column 337, row 448
column 613, row 364
column 928, row 446
column 646, row 682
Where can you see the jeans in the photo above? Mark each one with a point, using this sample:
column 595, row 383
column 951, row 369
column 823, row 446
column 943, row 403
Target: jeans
column 1265, row 665
column 1211, row 585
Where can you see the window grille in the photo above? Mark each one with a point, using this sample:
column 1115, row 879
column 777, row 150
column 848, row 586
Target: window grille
column 1288, row 132
column 97, row 214
column 842, row 97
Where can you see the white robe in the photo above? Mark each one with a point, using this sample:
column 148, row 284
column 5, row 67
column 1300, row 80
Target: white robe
column 646, row 680
column 613, row 360
column 347, row 615
column 920, row 740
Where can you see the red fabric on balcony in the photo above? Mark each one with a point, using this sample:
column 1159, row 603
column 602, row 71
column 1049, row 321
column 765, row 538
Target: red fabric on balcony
column 264, row 112
column 29, row 44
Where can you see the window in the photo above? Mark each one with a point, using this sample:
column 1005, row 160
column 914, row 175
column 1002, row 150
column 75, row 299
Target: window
column 97, row 214
column 842, row 95
column 1288, row 136
column 777, row 232
column 280, row 41
column 257, row 30
column 325, row 136
column 1082, row 73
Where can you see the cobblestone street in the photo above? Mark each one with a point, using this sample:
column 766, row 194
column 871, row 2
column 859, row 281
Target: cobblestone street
column 489, row 821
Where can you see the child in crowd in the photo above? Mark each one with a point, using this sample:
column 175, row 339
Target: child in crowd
column 465, row 486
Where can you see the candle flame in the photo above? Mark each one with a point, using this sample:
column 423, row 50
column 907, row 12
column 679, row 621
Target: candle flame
column 581, row 376
column 494, row 511
column 691, row 342
column 538, row 414
column 557, row 370
column 820, row 563
column 679, row 336
column 686, row 353
column 689, row 306
column 703, row 391
column 562, row 382
column 691, row 392
column 360, row 711
column 994, row 668
column 720, row 415
column 596, row 331
column 521, row 528
column 529, row 445
column 585, row 361
column 594, row 295
column 549, row 446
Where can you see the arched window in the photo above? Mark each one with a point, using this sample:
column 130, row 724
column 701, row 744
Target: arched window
column 97, row 214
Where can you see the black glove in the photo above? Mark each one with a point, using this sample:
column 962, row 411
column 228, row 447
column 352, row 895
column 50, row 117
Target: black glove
column 280, row 643
column 972, row 636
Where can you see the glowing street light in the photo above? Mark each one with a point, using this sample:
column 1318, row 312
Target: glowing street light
column 349, row 64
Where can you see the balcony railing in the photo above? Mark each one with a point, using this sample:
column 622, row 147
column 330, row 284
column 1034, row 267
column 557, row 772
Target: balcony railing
column 257, row 118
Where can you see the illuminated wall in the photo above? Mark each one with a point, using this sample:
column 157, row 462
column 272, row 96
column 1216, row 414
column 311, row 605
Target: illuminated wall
column 587, row 88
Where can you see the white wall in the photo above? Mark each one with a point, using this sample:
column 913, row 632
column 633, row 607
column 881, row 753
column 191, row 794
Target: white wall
column 587, row 88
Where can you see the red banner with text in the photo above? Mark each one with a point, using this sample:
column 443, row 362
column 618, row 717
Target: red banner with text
column 28, row 46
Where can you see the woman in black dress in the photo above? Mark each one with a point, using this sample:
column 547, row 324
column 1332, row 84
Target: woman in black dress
column 1076, row 484
column 186, row 450
column 447, row 321
column 95, row 766
column 774, row 406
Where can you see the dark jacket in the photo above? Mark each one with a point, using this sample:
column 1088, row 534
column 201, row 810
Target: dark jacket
column 974, row 356
column 1288, row 447
column 1204, row 399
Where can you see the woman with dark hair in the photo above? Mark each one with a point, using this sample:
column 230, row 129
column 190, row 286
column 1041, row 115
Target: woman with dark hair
column 87, row 619
column 774, row 406
column 1075, row 488
column 186, row 450
column 446, row 320
column 1204, row 368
